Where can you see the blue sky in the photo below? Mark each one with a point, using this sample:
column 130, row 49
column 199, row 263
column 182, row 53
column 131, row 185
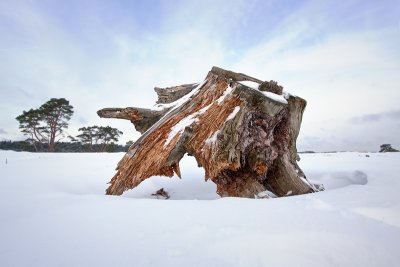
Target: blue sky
column 343, row 57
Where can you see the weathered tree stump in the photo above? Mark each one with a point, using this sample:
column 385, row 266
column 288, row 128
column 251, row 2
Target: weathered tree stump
column 387, row 148
column 244, row 138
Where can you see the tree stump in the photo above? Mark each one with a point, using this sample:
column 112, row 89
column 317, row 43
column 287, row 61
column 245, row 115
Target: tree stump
column 387, row 148
column 244, row 138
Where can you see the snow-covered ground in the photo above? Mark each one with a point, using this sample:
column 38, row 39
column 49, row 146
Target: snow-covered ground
column 53, row 212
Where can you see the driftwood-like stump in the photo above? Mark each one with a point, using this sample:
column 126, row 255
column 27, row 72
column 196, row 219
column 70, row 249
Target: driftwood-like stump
column 243, row 137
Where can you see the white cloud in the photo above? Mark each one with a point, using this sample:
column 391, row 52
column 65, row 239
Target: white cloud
column 377, row 117
column 341, row 73
column 340, row 76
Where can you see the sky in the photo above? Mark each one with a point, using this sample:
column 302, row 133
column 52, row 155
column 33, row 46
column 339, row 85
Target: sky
column 343, row 57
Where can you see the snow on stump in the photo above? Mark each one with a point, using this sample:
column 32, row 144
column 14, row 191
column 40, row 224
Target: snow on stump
column 243, row 137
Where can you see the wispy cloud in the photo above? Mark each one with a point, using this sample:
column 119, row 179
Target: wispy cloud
column 108, row 53
column 376, row 117
column 2, row 131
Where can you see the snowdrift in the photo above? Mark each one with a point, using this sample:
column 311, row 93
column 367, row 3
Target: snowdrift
column 54, row 213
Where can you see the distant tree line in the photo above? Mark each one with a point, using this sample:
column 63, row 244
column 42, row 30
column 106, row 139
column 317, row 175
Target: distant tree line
column 97, row 138
column 45, row 128
column 72, row 147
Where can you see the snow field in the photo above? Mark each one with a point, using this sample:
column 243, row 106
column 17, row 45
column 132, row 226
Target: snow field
column 54, row 213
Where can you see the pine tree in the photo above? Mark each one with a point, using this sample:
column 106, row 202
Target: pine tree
column 46, row 123
column 98, row 138
column 29, row 123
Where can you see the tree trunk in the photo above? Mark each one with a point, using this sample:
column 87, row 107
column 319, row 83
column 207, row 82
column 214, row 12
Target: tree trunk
column 245, row 139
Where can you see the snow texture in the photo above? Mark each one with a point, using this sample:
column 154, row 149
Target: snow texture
column 226, row 92
column 180, row 127
column 174, row 105
column 213, row 138
column 279, row 98
column 233, row 114
column 250, row 84
column 182, row 124
column 54, row 213
column 179, row 101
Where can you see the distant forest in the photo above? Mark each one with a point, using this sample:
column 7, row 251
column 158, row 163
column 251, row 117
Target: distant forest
column 45, row 127
column 72, row 147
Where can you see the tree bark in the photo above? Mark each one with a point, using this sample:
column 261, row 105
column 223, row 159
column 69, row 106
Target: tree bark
column 171, row 94
column 141, row 118
column 244, row 139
